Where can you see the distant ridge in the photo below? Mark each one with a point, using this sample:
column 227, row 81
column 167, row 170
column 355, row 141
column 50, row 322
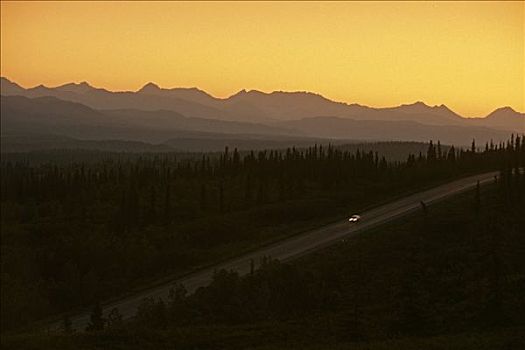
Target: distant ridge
column 261, row 107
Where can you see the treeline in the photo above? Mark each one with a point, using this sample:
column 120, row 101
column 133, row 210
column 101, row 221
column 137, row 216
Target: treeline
column 74, row 233
column 391, row 150
column 148, row 190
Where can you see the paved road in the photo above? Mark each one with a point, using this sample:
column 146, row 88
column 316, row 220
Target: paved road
column 295, row 246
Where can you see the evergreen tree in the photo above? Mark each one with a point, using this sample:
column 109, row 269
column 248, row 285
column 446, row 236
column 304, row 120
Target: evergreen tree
column 477, row 198
column 248, row 189
column 167, row 204
column 204, row 198
column 221, row 195
column 431, row 152
column 152, row 211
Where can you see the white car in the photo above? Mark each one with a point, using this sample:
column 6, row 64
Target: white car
column 354, row 218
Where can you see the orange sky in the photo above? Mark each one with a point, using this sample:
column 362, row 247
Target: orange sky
column 469, row 56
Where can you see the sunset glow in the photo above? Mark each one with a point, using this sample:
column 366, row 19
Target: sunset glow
column 469, row 56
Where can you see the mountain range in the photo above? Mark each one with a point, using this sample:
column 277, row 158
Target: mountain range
column 154, row 114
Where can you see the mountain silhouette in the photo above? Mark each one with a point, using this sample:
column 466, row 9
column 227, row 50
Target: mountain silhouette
column 150, row 88
column 281, row 105
column 80, row 88
column 264, row 109
column 51, row 116
column 504, row 117
column 104, row 99
column 189, row 94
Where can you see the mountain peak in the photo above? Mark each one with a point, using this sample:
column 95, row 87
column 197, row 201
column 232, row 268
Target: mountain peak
column 506, row 118
column 83, row 84
column 82, row 87
column 420, row 105
column 150, row 87
column 506, row 109
column 252, row 92
column 245, row 92
column 445, row 108
column 505, row 112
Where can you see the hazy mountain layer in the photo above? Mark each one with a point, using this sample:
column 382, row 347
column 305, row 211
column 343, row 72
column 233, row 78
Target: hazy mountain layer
column 261, row 107
column 333, row 127
column 49, row 115
column 23, row 116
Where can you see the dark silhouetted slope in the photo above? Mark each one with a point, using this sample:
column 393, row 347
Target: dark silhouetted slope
column 49, row 115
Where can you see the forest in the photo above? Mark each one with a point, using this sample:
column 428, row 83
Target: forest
column 76, row 233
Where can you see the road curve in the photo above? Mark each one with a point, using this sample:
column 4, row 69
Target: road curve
column 292, row 247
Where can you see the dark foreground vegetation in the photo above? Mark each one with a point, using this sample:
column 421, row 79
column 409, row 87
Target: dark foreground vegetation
column 450, row 277
column 74, row 234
